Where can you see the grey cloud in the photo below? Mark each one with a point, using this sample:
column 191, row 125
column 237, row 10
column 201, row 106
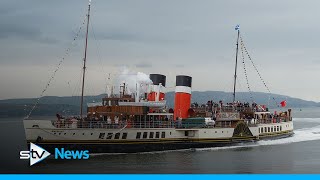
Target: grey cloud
column 184, row 35
column 179, row 65
column 143, row 65
column 27, row 33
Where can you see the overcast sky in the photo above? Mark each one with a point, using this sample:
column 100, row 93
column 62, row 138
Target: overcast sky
column 169, row 37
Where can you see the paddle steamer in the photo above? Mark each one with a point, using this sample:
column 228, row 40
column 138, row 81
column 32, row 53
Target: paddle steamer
column 130, row 123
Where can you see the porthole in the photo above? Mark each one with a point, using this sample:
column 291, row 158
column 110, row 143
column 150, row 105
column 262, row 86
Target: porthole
column 109, row 136
column 163, row 134
column 101, row 136
column 138, row 135
column 117, row 136
column 124, row 135
column 151, row 135
column 145, row 135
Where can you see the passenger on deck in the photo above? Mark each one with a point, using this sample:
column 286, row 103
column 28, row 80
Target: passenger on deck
column 108, row 122
column 116, row 121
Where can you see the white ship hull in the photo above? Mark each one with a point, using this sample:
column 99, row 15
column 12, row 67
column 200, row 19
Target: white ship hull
column 128, row 140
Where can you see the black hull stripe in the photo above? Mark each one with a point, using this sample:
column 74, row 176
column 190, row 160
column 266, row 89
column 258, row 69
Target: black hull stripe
column 148, row 141
column 144, row 147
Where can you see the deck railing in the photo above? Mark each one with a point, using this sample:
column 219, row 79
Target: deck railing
column 113, row 125
column 151, row 124
column 159, row 124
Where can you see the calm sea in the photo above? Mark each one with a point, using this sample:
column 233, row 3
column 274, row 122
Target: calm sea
column 297, row 154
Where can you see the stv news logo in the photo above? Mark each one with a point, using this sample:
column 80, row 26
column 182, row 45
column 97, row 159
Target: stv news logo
column 37, row 154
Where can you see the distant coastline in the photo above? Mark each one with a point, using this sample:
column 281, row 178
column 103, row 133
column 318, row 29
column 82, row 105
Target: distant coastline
column 69, row 105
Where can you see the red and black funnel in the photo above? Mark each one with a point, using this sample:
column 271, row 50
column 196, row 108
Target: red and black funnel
column 182, row 100
column 156, row 88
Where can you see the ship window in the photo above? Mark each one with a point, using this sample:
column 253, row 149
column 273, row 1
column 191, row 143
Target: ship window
column 215, row 132
column 265, row 129
column 280, row 128
column 82, row 133
column 151, row 135
column 222, row 131
column 138, row 135
column 163, row 135
column 109, row 135
column 170, row 133
column 101, row 136
column 145, row 135
column 74, row 133
column 124, row 135
column 65, row 133
column 59, row 133
column 157, row 134
column 35, row 126
column 186, row 133
column 117, row 136
column 54, row 133
column 261, row 130
column 271, row 129
column 277, row 128
column 268, row 129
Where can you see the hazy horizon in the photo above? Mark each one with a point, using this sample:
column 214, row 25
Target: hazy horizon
column 166, row 92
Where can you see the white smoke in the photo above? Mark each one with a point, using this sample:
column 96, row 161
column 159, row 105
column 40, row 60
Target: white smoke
column 134, row 81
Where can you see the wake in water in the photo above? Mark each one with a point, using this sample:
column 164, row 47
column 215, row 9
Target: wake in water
column 300, row 135
column 315, row 120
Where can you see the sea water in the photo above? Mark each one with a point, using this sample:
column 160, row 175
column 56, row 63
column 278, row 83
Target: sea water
column 297, row 154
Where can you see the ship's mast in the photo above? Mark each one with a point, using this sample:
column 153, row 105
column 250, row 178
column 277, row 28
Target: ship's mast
column 84, row 60
column 235, row 69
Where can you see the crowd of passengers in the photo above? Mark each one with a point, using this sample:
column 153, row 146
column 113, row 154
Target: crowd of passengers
column 108, row 122
column 238, row 106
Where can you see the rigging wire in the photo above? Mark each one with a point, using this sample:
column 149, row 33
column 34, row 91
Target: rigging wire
column 99, row 56
column 256, row 69
column 245, row 72
column 57, row 68
column 241, row 88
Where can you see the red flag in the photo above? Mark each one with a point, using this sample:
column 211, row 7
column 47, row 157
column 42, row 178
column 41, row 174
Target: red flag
column 283, row 103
